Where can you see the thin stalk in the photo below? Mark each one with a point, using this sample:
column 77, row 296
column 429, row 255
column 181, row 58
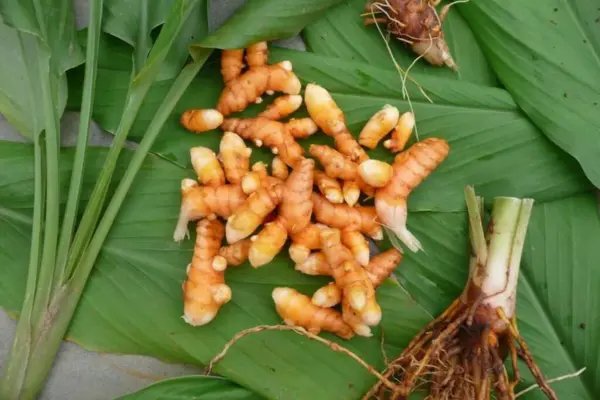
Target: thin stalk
column 93, row 210
column 67, row 297
column 141, row 50
column 476, row 234
column 51, row 224
column 14, row 370
column 87, row 103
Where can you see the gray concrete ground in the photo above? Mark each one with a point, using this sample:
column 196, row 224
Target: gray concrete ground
column 79, row 374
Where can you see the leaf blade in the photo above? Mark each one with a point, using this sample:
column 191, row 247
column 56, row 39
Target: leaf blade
column 563, row 56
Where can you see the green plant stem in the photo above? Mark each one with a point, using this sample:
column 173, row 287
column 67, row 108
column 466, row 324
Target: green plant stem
column 141, row 50
column 506, row 233
column 15, row 368
column 93, row 210
column 67, row 297
column 87, row 103
column 476, row 234
column 51, row 224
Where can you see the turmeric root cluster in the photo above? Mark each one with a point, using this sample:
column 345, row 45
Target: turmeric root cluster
column 309, row 200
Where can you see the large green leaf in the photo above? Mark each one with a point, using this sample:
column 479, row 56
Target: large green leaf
column 50, row 20
column 193, row 388
column 265, row 20
column 22, row 107
column 36, row 40
column 557, row 294
column 493, row 145
column 341, row 33
column 132, row 303
column 547, row 54
column 129, row 19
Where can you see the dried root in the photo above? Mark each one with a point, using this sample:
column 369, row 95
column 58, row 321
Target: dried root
column 461, row 353
column 416, row 23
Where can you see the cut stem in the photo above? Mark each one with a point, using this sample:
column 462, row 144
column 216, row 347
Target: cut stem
column 506, row 231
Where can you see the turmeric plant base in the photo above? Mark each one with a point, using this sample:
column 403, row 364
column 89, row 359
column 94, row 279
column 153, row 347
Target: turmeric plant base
column 459, row 359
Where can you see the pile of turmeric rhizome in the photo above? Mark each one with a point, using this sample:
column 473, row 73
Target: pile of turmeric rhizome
column 311, row 201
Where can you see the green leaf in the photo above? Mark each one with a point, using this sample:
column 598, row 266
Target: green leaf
column 50, row 20
column 193, row 388
column 265, row 20
column 547, row 54
column 33, row 38
column 132, row 303
column 133, row 20
column 341, row 33
column 23, row 108
column 493, row 145
column 557, row 298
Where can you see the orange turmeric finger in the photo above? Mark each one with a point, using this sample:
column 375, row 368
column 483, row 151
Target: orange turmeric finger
column 202, row 120
column 301, row 128
column 304, row 241
column 382, row 265
column 296, row 206
column 232, row 63
column 257, row 178
column 204, row 201
column 410, row 168
column 378, row 126
column 237, row 253
column 263, row 131
column 207, row 167
column 235, row 156
column 282, row 106
column 352, row 318
column 329, row 187
column 249, row 215
column 352, row 279
column 327, row 296
column 257, row 54
column 342, row 216
column 346, row 144
column 250, row 86
column 334, row 163
column 267, row 243
column 358, row 245
column 296, row 309
column 401, row 133
column 315, row 264
column 290, row 151
column 279, row 169
column 323, row 110
column 351, row 192
column 204, row 290
column 375, row 173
